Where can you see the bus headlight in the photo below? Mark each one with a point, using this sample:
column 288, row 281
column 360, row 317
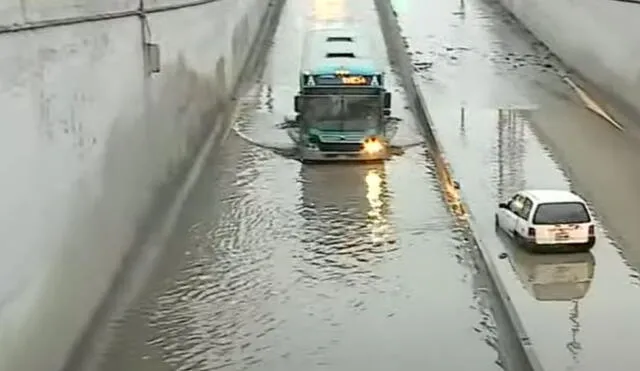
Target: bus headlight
column 372, row 146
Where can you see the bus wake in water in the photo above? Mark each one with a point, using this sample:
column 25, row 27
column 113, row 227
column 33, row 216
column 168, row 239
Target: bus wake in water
column 288, row 145
column 343, row 106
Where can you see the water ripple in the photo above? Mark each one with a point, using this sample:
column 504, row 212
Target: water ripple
column 343, row 236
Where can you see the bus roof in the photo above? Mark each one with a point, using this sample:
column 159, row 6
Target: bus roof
column 340, row 48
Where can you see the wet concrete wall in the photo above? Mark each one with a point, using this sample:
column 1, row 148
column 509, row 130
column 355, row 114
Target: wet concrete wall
column 87, row 137
column 599, row 39
column 15, row 12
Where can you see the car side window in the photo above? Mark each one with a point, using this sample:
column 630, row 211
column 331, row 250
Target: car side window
column 516, row 203
column 526, row 209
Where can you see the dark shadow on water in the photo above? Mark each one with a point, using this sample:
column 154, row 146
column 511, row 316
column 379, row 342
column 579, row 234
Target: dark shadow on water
column 551, row 277
column 555, row 277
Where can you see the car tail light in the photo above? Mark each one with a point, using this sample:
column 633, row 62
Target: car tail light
column 592, row 230
column 531, row 232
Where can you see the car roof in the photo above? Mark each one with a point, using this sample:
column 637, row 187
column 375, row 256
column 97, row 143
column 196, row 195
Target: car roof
column 551, row 195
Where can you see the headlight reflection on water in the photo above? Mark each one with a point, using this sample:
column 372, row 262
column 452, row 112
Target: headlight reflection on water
column 378, row 223
column 328, row 10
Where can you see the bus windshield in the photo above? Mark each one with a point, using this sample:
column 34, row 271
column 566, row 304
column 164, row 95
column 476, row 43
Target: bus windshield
column 342, row 113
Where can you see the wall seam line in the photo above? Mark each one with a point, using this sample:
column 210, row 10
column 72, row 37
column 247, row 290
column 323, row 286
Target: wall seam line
column 30, row 26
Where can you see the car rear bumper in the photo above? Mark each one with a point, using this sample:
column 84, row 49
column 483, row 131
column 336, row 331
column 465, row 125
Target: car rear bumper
column 559, row 248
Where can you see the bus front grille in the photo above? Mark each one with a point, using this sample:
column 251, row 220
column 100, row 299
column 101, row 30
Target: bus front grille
column 339, row 147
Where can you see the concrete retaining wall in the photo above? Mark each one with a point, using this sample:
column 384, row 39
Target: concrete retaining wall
column 86, row 139
column 17, row 12
column 599, row 39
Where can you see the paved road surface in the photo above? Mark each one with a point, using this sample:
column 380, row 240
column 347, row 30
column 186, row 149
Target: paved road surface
column 490, row 89
column 279, row 266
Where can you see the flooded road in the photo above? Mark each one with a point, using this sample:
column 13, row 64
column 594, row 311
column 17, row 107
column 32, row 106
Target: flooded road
column 281, row 266
column 490, row 88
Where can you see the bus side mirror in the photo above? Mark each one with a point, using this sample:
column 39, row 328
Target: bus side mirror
column 387, row 100
column 297, row 102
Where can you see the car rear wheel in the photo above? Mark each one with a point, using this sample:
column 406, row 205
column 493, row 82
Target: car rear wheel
column 586, row 247
column 523, row 243
column 519, row 240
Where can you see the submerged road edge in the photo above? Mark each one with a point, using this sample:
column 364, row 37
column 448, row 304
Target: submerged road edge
column 87, row 349
column 398, row 53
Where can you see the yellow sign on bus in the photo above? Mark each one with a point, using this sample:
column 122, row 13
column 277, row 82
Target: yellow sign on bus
column 354, row 80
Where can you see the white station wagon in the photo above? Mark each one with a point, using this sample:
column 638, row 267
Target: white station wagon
column 549, row 220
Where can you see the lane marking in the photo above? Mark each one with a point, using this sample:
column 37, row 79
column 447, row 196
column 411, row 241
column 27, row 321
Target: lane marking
column 591, row 104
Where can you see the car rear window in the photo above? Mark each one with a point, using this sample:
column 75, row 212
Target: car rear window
column 561, row 213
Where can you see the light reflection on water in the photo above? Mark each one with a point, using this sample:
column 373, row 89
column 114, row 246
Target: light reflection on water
column 326, row 13
column 346, row 210
column 378, row 222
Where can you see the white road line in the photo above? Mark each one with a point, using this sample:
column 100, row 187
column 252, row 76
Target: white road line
column 592, row 105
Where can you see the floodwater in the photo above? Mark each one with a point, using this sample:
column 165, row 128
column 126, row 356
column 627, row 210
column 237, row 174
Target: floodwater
column 490, row 90
column 281, row 266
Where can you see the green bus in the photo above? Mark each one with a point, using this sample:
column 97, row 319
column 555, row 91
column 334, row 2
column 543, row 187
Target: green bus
column 342, row 106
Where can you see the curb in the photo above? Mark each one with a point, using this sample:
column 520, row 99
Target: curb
column 397, row 49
